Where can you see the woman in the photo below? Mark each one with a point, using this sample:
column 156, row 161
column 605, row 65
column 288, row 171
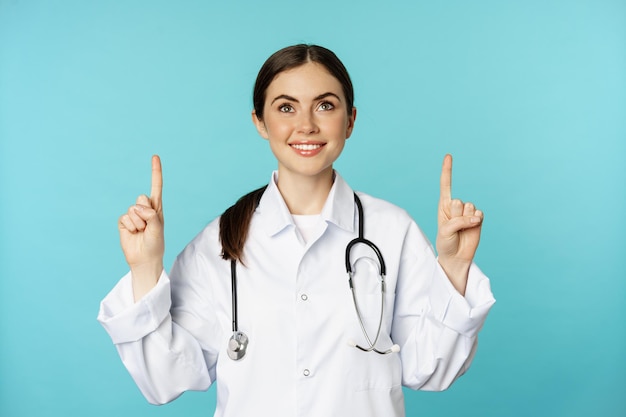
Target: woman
column 280, row 251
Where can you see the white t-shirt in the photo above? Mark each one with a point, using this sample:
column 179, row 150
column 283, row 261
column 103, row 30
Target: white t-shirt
column 308, row 225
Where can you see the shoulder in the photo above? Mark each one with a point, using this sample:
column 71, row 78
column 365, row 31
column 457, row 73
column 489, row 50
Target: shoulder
column 373, row 207
column 385, row 219
column 379, row 208
column 394, row 230
column 206, row 243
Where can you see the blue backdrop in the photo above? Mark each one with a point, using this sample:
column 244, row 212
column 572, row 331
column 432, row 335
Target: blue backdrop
column 530, row 98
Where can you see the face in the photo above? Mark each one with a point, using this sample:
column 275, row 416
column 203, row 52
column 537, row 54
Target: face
column 305, row 121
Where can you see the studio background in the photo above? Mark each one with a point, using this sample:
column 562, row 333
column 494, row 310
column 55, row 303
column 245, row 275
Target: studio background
column 529, row 97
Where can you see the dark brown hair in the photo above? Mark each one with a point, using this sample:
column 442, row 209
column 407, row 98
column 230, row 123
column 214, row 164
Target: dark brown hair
column 235, row 221
column 292, row 57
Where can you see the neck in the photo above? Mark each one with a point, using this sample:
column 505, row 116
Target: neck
column 304, row 194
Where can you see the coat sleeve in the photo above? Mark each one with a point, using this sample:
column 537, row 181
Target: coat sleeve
column 166, row 345
column 435, row 326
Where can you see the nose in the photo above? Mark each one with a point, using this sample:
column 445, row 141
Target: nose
column 307, row 124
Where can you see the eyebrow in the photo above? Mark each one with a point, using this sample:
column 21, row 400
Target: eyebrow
column 321, row 96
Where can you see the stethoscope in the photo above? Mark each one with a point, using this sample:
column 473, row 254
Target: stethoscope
column 238, row 343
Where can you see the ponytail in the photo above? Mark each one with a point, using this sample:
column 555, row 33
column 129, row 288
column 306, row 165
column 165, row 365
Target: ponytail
column 235, row 222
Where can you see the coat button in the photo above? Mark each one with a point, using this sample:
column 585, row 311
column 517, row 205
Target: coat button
column 306, row 372
column 304, row 297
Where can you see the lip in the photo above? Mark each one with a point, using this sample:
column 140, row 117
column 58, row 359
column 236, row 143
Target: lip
column 307, row 149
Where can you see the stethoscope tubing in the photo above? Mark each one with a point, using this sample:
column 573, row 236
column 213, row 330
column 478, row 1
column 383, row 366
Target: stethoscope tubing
column 233, row 282
column 360, row 317
column 238, row 342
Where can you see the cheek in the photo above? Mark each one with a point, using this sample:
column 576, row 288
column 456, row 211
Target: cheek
column 338, row 127
column 277, row 128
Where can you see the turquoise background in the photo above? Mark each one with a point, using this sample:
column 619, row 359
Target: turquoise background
column 529, row 96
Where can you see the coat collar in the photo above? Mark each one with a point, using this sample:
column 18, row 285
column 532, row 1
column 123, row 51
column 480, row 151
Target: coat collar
column 339, row 208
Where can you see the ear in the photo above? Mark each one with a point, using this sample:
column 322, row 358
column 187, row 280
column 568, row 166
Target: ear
column 260, row 125
column 351, row 121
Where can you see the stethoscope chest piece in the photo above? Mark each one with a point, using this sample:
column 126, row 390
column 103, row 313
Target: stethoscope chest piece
column 237, row 346
column 238, row 343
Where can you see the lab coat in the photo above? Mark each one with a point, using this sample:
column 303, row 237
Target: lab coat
column 295, row 305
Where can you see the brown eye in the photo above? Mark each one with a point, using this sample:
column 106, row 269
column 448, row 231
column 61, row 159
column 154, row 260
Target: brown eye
column 285, row 108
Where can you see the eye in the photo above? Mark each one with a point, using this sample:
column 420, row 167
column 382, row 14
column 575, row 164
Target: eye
column 285, row 108
column 326, row 105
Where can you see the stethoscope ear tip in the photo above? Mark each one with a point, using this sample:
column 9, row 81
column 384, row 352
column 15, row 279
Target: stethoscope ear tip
column 395, row 348
column 351, row 343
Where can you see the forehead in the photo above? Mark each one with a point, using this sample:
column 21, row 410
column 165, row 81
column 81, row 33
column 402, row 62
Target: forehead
column 310, row 79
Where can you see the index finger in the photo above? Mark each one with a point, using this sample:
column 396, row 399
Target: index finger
column 157, row 183
column 445, row 184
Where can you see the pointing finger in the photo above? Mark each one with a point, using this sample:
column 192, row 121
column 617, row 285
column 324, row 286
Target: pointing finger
column 157, row 183
column 445, row 192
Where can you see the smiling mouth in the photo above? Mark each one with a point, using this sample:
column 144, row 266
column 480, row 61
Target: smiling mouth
column 306, row 146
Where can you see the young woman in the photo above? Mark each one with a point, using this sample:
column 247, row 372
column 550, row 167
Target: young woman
column 260, row 301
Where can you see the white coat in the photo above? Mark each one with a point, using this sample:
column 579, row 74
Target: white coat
column 296, row 307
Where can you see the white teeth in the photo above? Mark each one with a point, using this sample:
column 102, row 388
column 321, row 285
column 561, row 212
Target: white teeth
column 306, row 147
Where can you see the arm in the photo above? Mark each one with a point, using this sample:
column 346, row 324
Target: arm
column 435, row 326
column 458, row 233
column 167, row 346
column 141, row 235
column 441, row 303
column 163, row 357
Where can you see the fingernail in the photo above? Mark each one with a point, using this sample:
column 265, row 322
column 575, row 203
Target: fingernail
column 474, row 219
column 138, row 208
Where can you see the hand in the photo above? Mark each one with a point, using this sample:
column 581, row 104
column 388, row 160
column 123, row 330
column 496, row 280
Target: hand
column 459, row 231
column 141, row 235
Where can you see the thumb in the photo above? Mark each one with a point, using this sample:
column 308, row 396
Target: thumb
column 147, row 213
column 457, row 224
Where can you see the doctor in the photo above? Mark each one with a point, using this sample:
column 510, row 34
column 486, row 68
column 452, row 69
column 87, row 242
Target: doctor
column 280, row 251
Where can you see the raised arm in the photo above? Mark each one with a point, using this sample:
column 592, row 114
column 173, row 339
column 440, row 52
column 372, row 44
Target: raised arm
column 141, row 235
column 458, row 232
